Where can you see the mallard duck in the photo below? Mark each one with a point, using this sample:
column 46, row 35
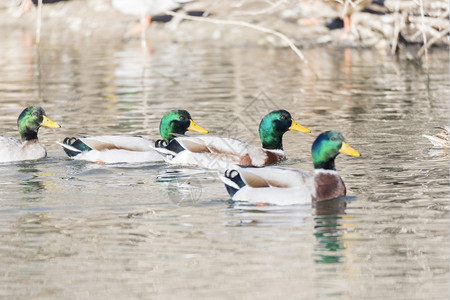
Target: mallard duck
column 150, row 7
column 342, row 8
column 349, row 7
column 29, row 122
column 440, row 140
column 146, row 9
column 129, row 149
column 26, row 5
column 222, row 153
column 286, row 186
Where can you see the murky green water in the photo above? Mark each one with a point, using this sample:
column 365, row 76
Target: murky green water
column 76, row 230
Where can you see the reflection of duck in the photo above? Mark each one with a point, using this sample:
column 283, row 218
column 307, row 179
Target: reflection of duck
column 29, row 122
column 440, row 140
column 114, row 149
column 286, row 186
column 146, row 9
column 328, row 230
column 222, row 153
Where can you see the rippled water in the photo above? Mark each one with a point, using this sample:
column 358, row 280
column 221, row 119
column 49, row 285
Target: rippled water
column 72, row 229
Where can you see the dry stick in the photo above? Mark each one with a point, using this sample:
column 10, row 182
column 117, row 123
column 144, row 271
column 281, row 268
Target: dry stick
column 424, row 48
column 423, row 32
column 263, row 11
column 248, row 25
column 38, row 22
column 346, row 3
column 143, row 29
column 396, row 28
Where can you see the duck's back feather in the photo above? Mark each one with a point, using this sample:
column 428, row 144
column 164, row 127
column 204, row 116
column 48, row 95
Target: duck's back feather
column 112, row 149
column 194, row 145
column 278, row 177
column 223, row 153
column 213, row 145
column 110, row 142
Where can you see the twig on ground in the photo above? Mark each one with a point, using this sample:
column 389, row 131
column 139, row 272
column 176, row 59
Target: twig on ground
column 396, row 28
column 38, row 22
column 266, row 10
column 424, row 48
column 422, row 14
column 248, row 25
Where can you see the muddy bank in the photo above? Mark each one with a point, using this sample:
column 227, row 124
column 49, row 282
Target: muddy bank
column 388, row 25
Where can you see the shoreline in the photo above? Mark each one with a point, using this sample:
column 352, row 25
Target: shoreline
column 78, row 19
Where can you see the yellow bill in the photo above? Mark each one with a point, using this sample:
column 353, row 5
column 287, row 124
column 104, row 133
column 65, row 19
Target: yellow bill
column 196, row 128
column 346, row 149
column 49, row 123
column 298, row 127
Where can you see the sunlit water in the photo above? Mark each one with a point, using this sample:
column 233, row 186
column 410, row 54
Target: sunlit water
column 71, row 229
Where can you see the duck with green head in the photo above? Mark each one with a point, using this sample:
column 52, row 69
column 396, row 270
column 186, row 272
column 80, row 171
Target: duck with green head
column 29, row 122
column 222, row 153
column 129, row 149
column 287, row 186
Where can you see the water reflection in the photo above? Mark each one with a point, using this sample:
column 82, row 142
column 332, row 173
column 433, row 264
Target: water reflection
column 328, row 230
column 441, row 153
column 32, row 184
column 184, row 187
column 182, row 234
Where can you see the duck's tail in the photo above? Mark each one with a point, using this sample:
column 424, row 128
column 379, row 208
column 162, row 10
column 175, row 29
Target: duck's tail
column 73, row 146
column 233, row 181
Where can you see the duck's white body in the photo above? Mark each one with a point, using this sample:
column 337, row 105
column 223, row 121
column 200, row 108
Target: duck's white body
column 286, row 186
column 12, row 149
column 221, row 153
column 151, row 7
column 116, row 149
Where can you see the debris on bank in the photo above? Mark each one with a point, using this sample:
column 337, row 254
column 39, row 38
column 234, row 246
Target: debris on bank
column 391, row 25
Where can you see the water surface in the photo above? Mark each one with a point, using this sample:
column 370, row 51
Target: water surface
column 71, row 229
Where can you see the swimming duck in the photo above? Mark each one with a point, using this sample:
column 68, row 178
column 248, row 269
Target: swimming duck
column 440, row 140
column 129, row 149
column 222, row 153
column 29, row 122
column 287, row 186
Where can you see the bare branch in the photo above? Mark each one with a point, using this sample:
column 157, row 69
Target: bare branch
column 248, row 25
column 424, row 48
column 39, row 22
column 266, row 10
column 423, row 32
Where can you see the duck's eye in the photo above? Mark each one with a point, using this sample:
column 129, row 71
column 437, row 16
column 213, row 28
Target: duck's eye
column 182, row 118
column 35, row 114
column 283, row 117
column 333, row 139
